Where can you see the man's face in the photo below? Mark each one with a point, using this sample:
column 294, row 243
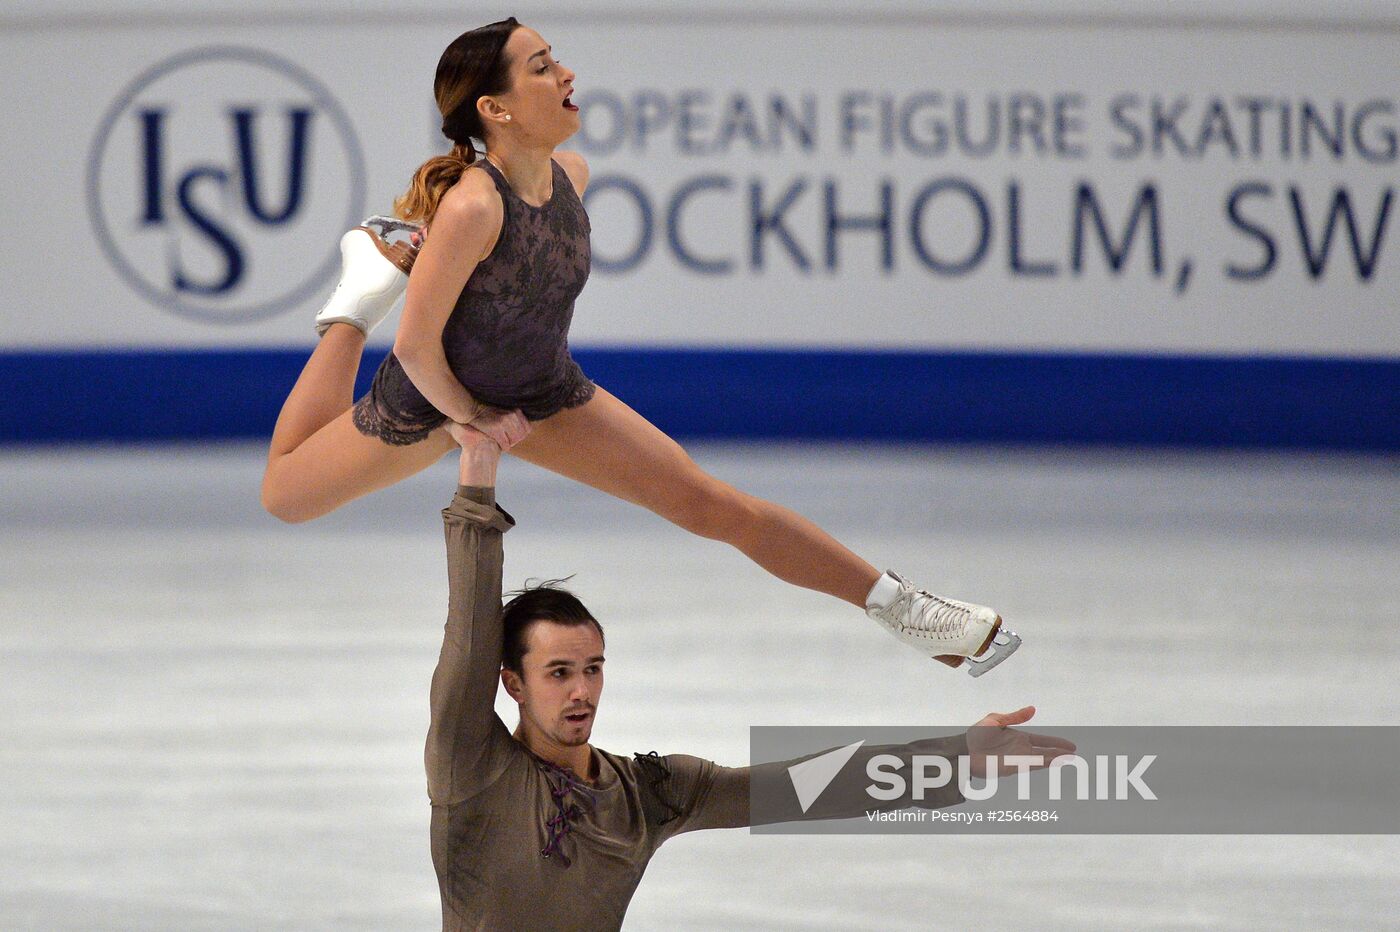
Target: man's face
column 562, row 682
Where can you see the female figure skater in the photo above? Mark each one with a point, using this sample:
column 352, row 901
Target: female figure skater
column 484, row 341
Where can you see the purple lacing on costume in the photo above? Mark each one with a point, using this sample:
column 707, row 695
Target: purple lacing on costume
column 659, row 807
column 561, row 823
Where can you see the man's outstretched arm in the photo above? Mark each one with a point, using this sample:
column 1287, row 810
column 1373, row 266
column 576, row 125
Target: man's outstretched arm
column 734, row 797
column 463, row 694
column 710, row 796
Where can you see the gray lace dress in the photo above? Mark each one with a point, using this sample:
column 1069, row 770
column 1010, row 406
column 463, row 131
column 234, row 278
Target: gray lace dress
column 507, row 340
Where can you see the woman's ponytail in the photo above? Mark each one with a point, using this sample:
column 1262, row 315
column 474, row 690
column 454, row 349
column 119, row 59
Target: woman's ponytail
column 432, row 180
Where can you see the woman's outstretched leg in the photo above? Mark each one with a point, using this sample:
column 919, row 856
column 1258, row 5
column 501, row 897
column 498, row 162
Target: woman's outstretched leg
column 607, row 445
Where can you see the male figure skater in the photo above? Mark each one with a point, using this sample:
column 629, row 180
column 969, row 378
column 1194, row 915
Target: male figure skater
column 538, row 829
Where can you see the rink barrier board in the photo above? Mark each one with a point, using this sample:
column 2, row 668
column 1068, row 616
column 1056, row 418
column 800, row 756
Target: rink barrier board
column 760, row 394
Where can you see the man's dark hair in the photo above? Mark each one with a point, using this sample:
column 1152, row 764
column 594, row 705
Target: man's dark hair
column 546, row 601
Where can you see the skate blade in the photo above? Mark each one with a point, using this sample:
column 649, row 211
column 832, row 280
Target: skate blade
column 957, row 660
column 1004, row 643
column 392, row 238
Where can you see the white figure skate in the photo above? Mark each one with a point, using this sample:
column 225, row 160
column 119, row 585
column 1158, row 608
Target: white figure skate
column 375, row 259
column 945, row 629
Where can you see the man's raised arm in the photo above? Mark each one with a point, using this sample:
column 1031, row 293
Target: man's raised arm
column 464, row 725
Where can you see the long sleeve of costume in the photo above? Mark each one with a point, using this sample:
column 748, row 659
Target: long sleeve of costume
column 704, row 795
column 465, row 731
column 774, row 798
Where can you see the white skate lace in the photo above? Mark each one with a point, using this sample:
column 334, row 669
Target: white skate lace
column 921, row 611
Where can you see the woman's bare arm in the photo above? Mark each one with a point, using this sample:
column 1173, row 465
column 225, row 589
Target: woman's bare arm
column 465, row 227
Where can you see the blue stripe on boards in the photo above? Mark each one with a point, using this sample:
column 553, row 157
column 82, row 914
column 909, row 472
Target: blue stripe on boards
column 1061, row 398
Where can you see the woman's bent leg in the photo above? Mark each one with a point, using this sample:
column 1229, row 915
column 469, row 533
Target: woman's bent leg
column 338, row 464
column 607, row 445
column 318, row 460
column 324, row 390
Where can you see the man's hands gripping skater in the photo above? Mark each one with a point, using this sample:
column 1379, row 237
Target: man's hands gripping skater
column 480, row 454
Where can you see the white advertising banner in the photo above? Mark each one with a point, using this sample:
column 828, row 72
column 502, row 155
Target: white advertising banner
column 785, row 183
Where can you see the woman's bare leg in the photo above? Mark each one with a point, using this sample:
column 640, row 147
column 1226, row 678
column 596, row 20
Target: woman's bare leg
column 318, row 460
column 607, row 445
column 324, row 390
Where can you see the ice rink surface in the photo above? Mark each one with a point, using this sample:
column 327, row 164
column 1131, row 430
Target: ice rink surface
column 214, row 721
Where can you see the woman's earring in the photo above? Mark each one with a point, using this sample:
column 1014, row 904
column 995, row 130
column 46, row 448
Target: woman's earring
column 507, row 117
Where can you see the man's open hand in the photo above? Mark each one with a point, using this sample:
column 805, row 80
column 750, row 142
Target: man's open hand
column 993, row 736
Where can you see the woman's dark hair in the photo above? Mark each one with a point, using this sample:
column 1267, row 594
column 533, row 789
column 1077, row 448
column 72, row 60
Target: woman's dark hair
column 546, row 601
column 472, row 67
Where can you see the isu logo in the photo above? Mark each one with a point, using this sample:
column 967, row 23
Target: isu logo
column 219, row 184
